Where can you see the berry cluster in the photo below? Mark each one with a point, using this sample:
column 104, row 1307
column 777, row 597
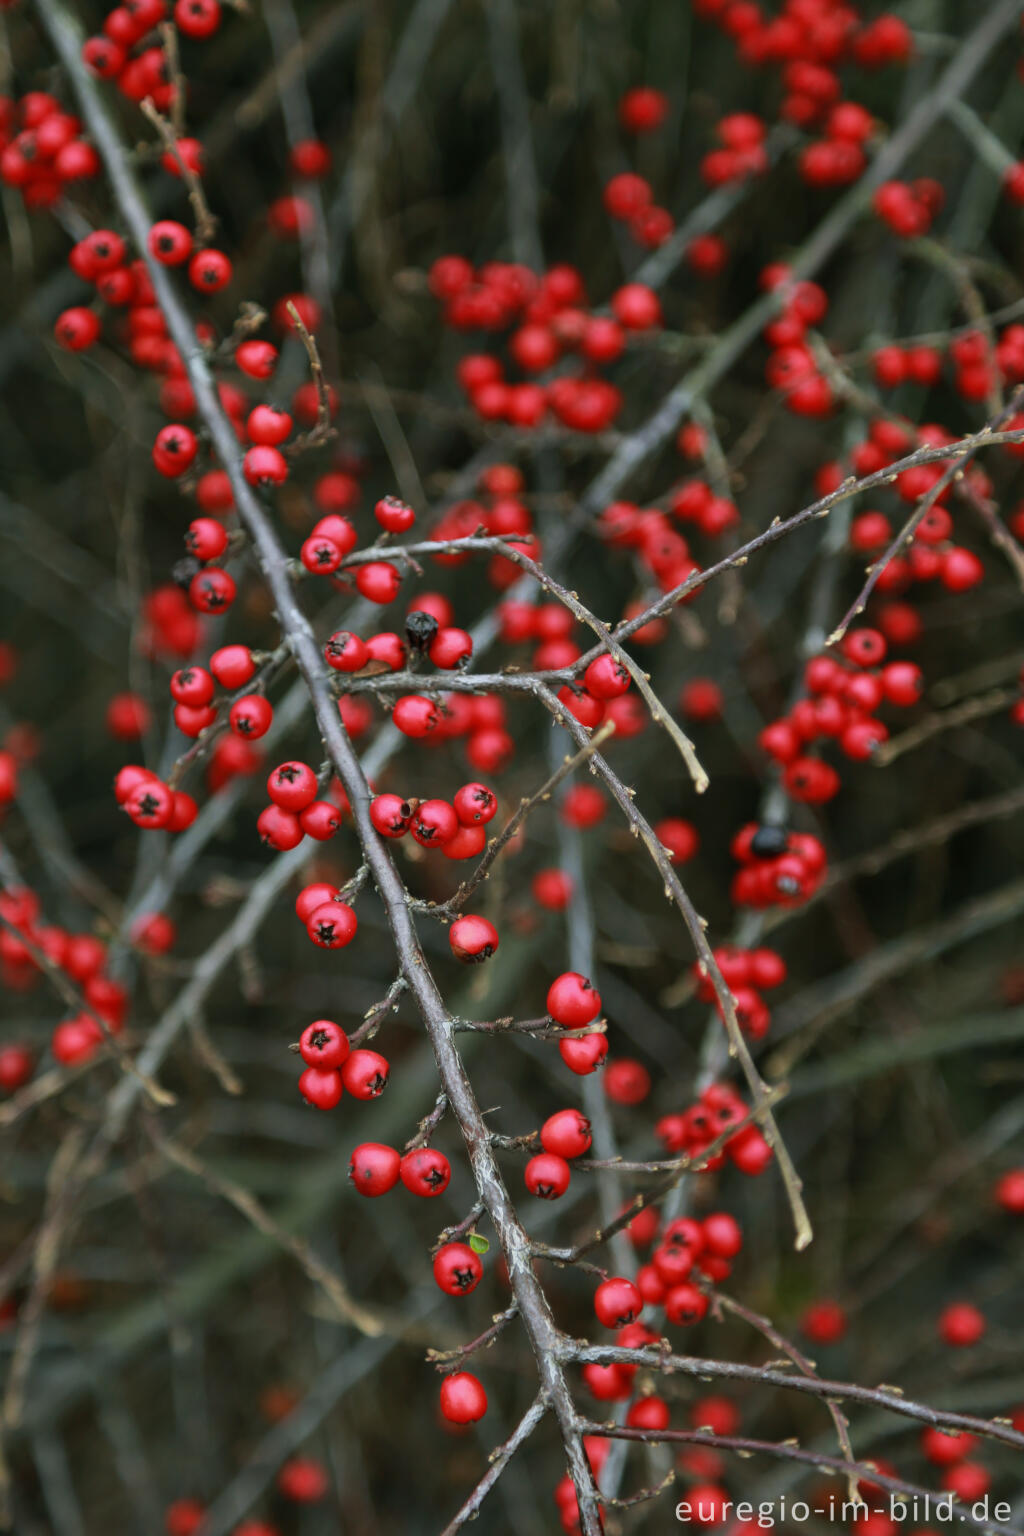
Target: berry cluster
column 747, row 973
column 779, row 868
column 41, row 148
column 694, row 1130
column 26, row 946
column 843, row 694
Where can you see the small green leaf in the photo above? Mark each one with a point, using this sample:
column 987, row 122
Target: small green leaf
column 477, row 1243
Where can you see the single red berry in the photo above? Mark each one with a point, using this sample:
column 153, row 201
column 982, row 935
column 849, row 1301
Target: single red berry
column 197, row 18
column 153, row 932
column 233, row 666
column 332, row 925
column 387, row 648
column 573, row 1001
column 636, row 307
column 617, row 1302
column 824, row 1322
column 606, row 678
column 547, row 1176
column 463, row 1399
column 627, row 1082
column 320, row 1087
column 302, row 1479
column 451, row 648
column 365, row 1074
column 457, row 1269
column 210, row 271
column 685, row 1305
column 265, row 466
column 394, row 515
column 256, row 358
column 475, row 803
column 311, row 897
column 390, row 815
column 944, row 1448
column 279, row 828
column 584, row 1053
column 170, row 242
column 378, row 581
column 566, row 1133
column 434, row 824
column 961, row 1325
column 1009, row 1192
column 150, row 804
column 425, row 1172
column 373, row 1169
column 16, row 1067
column 467, row 843
column 679, row 837
column 251, row 716
column 174, row 449
column 320, row 820
column 415, row 715
column 206, row 538
column 212, row 590
column 292, row 786
column 324, row 1044
column 77, row 329
column 552, row 889
column 269, row 426
column 473, row 938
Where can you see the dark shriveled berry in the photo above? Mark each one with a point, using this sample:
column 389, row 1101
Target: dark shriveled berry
column 420, row 629
column 769, row 842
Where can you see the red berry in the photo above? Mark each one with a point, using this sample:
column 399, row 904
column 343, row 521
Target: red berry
column 572, row 1000
column 233, row 666
column 256, row 358
column 77, row 329
column 332, row 925
column 394, row 515
column 566, row 1133
column 378, row 581
column 278, row 828
column 320, row 820
column 415, row 715
column 390, row 815
column 373, row 1168
column 685, row 1305
column 197, row 18
column 463, row 1399
column 365, row 1074
column 170, row 242
column 292, row 786
column 268, row 425
column 961, row 1324
column 206, row 538
column 475, row 803
column 209, row 271
column 1009, row 1192
column 320, row 1087
column 264, row 465
column 434, row 824
column 547, row 1176
column 627, row 1082
column 212, row 590
column 473, row 938
column 617, row 1302
column 457, row 1269
column 251, row 716
column 584, row 1054
column 425, row 1172
column 174, row 449
column 324, row 1044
